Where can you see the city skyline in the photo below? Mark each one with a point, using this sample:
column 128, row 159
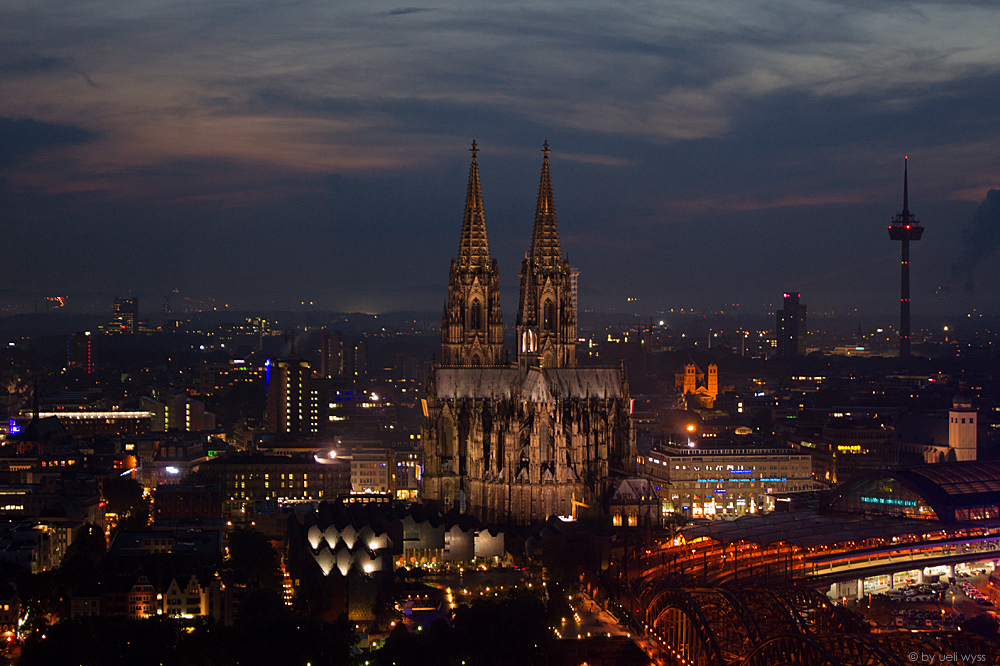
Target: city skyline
column 700, row 156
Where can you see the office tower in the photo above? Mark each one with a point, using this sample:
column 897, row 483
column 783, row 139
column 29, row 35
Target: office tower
column 292, row 407
column 791, row 327
column 125, row 316
column 80, row 352
column 356, row 359
column 331, row 360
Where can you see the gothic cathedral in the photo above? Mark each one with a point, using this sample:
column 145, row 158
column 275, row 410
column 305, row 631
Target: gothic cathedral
column 517, row 443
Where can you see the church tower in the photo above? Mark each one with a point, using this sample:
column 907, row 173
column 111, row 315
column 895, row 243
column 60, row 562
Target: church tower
column 472, row 325
column 546, row 316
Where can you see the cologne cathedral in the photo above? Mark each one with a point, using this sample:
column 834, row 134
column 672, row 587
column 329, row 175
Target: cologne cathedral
column 519, row 442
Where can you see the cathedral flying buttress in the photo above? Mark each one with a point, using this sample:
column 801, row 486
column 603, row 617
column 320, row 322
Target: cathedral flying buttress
column 519, row 442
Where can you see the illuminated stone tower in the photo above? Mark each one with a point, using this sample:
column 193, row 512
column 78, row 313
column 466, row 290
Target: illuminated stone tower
column 472, row 325
column 905, row 227
column 962, row 440
column 546, row 315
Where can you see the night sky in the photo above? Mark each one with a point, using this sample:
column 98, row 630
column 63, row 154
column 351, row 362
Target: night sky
column 704, row 154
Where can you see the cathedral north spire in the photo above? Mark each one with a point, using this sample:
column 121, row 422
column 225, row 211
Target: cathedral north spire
column 474, row 250
column 546, row 317
column 545, row 238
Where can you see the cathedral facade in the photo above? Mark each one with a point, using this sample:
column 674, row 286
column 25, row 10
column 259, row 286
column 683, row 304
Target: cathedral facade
column 519, row 442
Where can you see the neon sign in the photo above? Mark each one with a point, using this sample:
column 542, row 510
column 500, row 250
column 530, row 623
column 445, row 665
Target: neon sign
column 888, row 500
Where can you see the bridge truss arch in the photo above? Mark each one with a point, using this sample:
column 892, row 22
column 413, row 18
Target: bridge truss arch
column 703, row 626
column 827, row 650
column 785, row 627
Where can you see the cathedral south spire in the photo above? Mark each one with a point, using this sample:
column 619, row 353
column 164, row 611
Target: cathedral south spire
column 473, row 250
column 472, row 325
column 546, row 317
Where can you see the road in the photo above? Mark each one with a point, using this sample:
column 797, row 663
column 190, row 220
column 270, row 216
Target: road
column 591, row 620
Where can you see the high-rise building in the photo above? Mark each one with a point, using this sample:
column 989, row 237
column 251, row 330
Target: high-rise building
column 519, row 443
column 331, row 360
column 176, row 411
column 292, row 407
column 355, row 359
column 791, row 327
column 80, row 352
column 124, row 316
column 904, row 228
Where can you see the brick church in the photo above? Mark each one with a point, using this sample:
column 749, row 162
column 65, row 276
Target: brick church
column 519, row 442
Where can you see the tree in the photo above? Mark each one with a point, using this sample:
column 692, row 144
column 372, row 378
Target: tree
column 200, row 477
column 763, row 421
column 124, row 497
column 251, row 552
column 984, row 625
column 40, row 598
column 509, row 631
column 81, row 564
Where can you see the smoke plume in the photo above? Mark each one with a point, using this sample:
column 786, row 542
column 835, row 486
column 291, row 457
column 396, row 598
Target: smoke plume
column 979, row 241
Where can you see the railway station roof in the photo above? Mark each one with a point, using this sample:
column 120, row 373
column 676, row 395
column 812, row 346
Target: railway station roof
column 807, row 529
column 956, row 491
column 960, row 495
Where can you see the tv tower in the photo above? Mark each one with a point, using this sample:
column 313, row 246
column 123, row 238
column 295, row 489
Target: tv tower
column 905, row 227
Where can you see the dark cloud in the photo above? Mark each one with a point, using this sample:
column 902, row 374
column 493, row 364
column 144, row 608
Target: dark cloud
column 37, row 64
column 406, row 10
column 728, row 150
column 23, row 137
column 979, row 241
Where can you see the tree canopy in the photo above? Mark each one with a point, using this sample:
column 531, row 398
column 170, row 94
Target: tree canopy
column 251, row 551
column 124, row 497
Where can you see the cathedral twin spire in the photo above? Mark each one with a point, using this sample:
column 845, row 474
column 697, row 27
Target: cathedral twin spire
column 472, row 328
column 545, row 239
column 474, row 250
column 472, row 325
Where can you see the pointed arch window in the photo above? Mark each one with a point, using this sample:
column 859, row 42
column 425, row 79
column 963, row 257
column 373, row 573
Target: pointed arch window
column 548, row 316
column 476, row 316
column 528, row 342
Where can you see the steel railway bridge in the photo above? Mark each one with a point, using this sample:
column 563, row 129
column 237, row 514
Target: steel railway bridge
column 741, row 592
column 792, row 626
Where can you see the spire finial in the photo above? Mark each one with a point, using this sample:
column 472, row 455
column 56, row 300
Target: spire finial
column 545, row 150
column 473, row 150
